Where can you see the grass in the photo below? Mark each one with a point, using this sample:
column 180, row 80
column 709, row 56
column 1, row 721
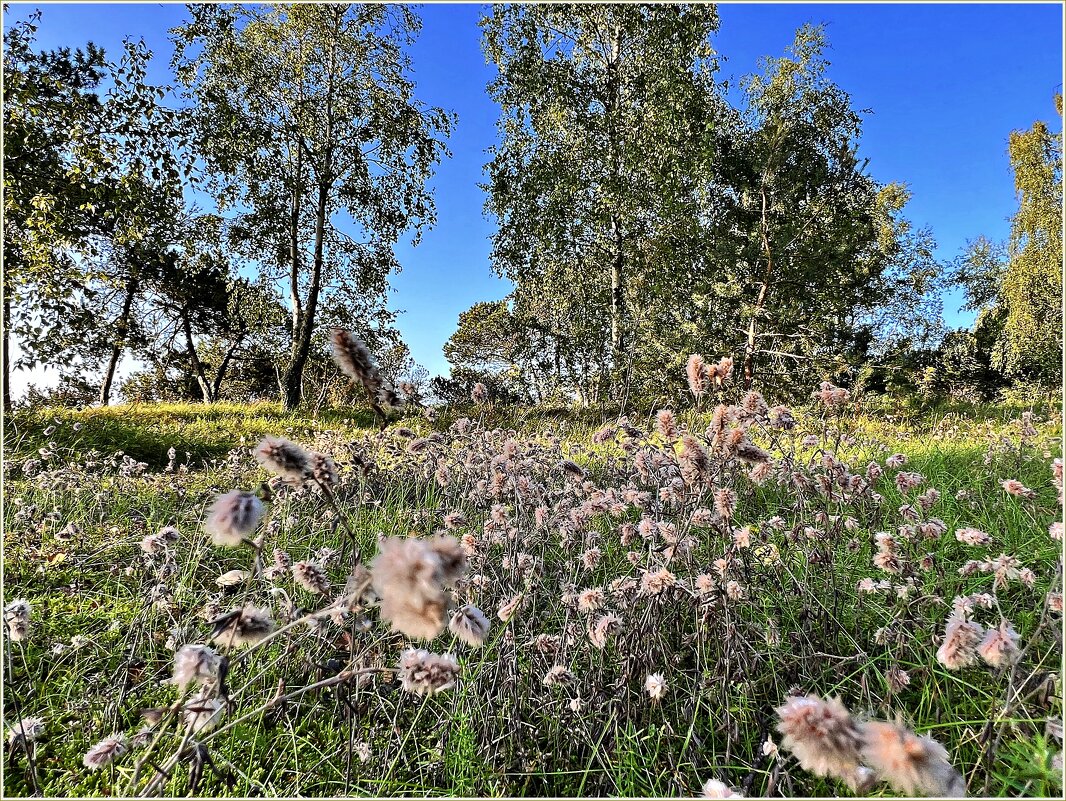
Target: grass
column 74, row 522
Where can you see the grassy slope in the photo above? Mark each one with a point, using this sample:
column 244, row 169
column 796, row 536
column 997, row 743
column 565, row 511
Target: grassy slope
column 489, row 737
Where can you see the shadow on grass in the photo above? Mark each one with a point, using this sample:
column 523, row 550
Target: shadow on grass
column 147, row 432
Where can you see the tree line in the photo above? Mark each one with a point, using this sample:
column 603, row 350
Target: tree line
column 645, row 210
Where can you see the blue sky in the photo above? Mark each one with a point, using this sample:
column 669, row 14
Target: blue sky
column 945, row 84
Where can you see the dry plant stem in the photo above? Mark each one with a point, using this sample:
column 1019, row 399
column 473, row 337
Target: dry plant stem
column 331, row 499
column 340, row 678
column 18, row 716
column 324, row 612
column 1011, row 697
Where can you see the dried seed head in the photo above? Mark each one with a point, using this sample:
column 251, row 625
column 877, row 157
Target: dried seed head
column 233, row 517
column 822, row 735
column 655, row 685
column 26, row 730
column 716, row 789
column 202, row 714
column 1000, row 646
column 311, row 576
column 961, row 638
column 470, row 625
column 197, row 664
column 244, row 627
column 408, row 576
column 423, row 673
column 284, row 458
column 105, row 751
column 17, row 619
column 913, row 765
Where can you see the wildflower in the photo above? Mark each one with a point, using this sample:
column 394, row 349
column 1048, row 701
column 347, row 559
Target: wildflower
column 961, row 638
column 734, row 590
column 911, row 764
column 575, row 705
column 284, row 458
column 153, row 544
column 750, row 453
column 972, row 536
column 589, row 600
column 713, row 788
column 202, row 714
column 311, row 576
column 655, row 685
column 454, row 520
column 353, row 358
column 725, row 502
column 244, row 627
column 1014, row 487
column 233, row 517
column 667, row 424
column 323, row 468
column 656, row 582
column 694, row 462
column 479, row 394
column 508, row 609
column 17, row 619
column 706, row 584
column 470, row 625
column 592, row 557
column 25, row 730
column 559, row 676
column 423, row 673
column 1055, row 530
column 195, row 664
column 896, row 461
column 781, row 417
column 105, row 751
column 606, row 625
column 897, row 679
column 822, row 735
column 407, row 576
column 1000, row 645
column 769, row 748
column 695, row 371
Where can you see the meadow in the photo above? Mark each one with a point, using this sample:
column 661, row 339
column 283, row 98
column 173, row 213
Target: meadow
column 639, row 597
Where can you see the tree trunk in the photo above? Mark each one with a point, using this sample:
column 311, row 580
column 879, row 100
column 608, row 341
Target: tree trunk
column 121, row 332
column 749, row 354
column 216, row 385
column 194, row 357
column 7, row 353
column 302, row 343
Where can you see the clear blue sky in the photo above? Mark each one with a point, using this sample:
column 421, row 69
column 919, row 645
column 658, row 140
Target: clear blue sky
column 945, row 84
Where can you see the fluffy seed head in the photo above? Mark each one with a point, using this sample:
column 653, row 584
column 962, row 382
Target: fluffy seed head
column 233, row 517
column 17, row 619
column 823, row 737
column 197, row 664
column 27, row 730
column 105, row 751
column 470, row 625
column 959, row 648
column 423, row 673
column 247, row 627
column 408, row 577
column 913, row 765
column 1000, row 646
column 311, row 576
column 284, row 458
column 655, row 685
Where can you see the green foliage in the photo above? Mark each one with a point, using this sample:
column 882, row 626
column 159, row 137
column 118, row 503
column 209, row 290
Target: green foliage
column 1032, row 281
column 305, row 113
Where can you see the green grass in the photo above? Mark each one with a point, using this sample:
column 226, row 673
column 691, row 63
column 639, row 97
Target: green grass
column 500, row 731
